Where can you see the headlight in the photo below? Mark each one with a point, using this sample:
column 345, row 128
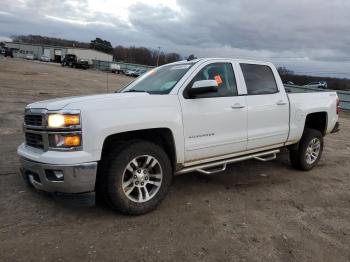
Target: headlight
column 62, row 120
column 64, row 141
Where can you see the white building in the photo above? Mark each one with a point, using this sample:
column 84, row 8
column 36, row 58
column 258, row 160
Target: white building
column 56, row 53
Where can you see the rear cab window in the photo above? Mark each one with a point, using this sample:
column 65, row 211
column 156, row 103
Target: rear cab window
column 259, row 79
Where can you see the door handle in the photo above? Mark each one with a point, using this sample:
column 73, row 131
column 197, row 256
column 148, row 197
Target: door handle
column 281, row 103
column 237, row 106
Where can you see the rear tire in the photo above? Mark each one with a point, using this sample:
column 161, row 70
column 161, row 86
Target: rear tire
column 309, row 150
column 135, row 177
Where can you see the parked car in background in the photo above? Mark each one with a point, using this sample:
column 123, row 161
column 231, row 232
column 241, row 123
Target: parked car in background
column 69, row 60
column 114, row 68
column 73, row 61
column 130, row 72
column 45, row 58
column 5, row 51
column 139, row 72
column 188, row 116
column 83, row 64
column 29, row 57
column 136, row 73
column 319, row 84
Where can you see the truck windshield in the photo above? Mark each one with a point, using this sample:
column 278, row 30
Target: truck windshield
column 160, row 80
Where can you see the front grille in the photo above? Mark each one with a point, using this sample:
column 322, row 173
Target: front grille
column 34, row 140
column 33, row 120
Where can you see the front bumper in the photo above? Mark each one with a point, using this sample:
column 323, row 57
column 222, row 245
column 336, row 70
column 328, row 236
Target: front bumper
column 77, row 178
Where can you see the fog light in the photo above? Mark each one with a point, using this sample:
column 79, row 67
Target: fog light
column 71, row 141
column 64, row 140
column 54, row 175
column 58, row 174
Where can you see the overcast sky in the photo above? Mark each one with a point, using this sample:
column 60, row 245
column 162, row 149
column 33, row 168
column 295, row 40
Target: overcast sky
column 311, row 36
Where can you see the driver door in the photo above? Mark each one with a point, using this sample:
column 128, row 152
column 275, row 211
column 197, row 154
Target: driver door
column 215, row 123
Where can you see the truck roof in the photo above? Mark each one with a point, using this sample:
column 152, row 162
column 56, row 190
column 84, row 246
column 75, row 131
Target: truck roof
column 239, row 60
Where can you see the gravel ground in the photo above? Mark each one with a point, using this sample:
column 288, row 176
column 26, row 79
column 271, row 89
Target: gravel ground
column 252, row 212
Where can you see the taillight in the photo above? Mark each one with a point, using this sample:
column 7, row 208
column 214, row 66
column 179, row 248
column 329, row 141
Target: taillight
column 338, row 109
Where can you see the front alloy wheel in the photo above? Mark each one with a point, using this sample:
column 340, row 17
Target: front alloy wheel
column 142, row 178
column 135, row 177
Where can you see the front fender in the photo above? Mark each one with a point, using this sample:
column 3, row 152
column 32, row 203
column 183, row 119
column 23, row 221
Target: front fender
column 105, row 118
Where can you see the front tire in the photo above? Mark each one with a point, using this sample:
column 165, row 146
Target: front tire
column 136, row 177
column 309, row 151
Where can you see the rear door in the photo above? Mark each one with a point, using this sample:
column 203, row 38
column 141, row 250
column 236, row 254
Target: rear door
column 215, row 124
column 268, row 106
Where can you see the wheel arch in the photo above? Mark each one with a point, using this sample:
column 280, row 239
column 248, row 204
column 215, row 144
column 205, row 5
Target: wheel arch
column 317, row 121
column 162, row 137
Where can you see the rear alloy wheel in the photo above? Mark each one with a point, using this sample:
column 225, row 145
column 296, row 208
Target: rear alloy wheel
column 313, row 151
column 309, row 150
column 136, row 177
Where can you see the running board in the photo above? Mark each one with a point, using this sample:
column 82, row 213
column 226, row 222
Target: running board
column 220, row 166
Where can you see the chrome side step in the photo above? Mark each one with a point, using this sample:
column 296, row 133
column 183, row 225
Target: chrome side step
column 220, row 166
column 212, row 171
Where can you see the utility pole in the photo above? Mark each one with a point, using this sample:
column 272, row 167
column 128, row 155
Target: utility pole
column 158, row 56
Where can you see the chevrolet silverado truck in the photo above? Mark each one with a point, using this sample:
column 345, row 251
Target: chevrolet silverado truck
column 188, row 116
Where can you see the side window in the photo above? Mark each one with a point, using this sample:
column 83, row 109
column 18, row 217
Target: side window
column 224, row 76
column 259, row 79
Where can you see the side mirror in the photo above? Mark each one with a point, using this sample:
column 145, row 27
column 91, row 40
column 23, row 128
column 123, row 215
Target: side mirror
column 202, row 87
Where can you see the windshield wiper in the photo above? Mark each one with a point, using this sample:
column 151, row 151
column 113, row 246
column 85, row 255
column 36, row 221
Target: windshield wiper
column 136, row 91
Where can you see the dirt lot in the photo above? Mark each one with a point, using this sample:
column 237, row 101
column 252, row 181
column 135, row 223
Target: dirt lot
column 252, row 212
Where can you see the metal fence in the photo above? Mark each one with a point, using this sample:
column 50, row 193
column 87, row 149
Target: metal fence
column 106, row 65
column 344, row 96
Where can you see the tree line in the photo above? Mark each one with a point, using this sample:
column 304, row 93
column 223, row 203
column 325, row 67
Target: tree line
column 132, row 54
column 44, row 40
column 152, row 57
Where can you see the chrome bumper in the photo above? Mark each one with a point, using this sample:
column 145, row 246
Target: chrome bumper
column 79, row 178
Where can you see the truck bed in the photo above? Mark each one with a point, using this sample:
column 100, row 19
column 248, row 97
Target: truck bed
column 303, row 104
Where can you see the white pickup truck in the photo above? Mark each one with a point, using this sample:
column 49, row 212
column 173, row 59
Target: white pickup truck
column 187, row 116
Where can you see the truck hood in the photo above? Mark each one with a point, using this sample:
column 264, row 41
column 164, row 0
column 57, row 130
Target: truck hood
column 60, row 103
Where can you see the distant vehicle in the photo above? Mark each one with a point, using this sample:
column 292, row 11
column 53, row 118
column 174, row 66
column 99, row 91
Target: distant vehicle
column 319, row 84
column 6, row 52
column 83, row 64
column 69, row 60
column 29, row 57
column 45, row 58
column 139, row 72
column 290, row 83
column 135, row 72
column 73, row 61
column 130, row 72
column 116, row 69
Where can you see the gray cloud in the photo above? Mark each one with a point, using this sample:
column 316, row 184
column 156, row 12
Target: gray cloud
column 278, row 26
column 297, row 33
